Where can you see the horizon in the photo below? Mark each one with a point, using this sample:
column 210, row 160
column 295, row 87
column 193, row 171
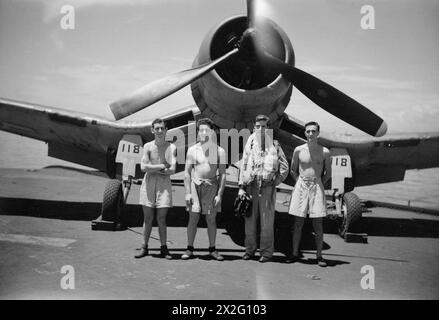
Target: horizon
column 118, row 46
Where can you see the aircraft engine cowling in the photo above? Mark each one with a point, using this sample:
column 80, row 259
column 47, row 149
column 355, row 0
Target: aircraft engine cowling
column 234, row 93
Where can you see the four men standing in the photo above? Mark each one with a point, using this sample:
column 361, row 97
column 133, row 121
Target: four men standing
column 263, row 167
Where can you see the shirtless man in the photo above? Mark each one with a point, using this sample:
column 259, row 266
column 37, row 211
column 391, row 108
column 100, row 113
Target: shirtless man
column 159, row 162
column 311, row 169
column 204, row 187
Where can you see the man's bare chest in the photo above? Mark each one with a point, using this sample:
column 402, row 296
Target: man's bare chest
column 206, row 156
column 311, row 158
column 157, row 153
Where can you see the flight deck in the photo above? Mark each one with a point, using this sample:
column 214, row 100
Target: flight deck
column 45, row 233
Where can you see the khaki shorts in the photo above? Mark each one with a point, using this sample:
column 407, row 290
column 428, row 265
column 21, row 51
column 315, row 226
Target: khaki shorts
column 156, row 191
column 203, row 196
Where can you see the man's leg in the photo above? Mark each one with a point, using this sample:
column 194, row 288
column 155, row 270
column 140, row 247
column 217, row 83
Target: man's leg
column 317, row 224
column 211, row 233
column 266, row 210
column 161, row 221
column 211, row 228
column 250, row 226
column 208, row 197
column 297, row 234
column 148, row 216
column 194, row 217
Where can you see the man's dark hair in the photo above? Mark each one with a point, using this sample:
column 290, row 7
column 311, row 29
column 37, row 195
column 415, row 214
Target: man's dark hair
column 158, row 120
column 205, row 121
column 313, row 123
column 262, row 117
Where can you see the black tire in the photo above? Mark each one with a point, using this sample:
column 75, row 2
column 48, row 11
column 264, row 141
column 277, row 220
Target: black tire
column 112, row 203
column 353, row 213
column 235, row 227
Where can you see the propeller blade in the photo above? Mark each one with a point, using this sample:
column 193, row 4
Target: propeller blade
column 251, row 14
column 159, row 89
column 329, row 98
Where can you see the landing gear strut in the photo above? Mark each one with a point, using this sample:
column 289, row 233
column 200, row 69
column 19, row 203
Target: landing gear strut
column 116, row 191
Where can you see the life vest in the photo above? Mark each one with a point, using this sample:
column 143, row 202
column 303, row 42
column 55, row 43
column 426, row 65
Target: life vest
column 262, row 166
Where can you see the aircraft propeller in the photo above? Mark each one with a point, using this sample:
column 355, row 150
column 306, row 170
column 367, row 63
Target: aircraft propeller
column 159, row 89
column 329, row 98
column 251, row 14
column 249, row 48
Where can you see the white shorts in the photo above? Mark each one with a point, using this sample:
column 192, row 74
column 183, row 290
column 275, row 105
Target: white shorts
column 308, row 198
column 156, row 191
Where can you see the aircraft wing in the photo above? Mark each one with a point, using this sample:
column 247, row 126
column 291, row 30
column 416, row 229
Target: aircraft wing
column 385, row 159
column 77, row 137
column 374, row 160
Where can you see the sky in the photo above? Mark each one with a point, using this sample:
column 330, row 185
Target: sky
column 120, row 45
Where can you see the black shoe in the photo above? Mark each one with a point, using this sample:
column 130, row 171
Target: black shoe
column 164, row 253
column 292, row 259
column 264, row 259
column 321, row 262
column 247, row 256
column 143, row 253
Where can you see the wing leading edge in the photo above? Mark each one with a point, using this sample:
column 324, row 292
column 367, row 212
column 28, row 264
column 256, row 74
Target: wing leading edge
column 77, row 137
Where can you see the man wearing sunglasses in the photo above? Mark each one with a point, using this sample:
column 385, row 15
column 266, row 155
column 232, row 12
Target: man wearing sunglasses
column 159, row 162
column 311, row 169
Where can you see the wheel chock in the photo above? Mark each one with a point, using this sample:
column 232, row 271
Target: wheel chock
column 103, row 225
column 355, row 237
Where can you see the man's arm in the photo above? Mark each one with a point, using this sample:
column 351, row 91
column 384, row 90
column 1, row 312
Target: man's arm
column 171, row 159
column 188, row 172
column 326, row 166
column 145, row 162
column 283, row 167
column 145, row 158
column 222, row 172
column 243, row 167
column 294, row 169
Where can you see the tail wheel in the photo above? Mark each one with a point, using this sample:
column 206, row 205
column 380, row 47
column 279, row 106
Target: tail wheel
column 352, row 212
column 112, row 203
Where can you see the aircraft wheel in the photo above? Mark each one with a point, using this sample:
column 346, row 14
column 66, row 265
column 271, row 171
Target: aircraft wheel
column 352, row 212
column 236, row 229
column 112, row 202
